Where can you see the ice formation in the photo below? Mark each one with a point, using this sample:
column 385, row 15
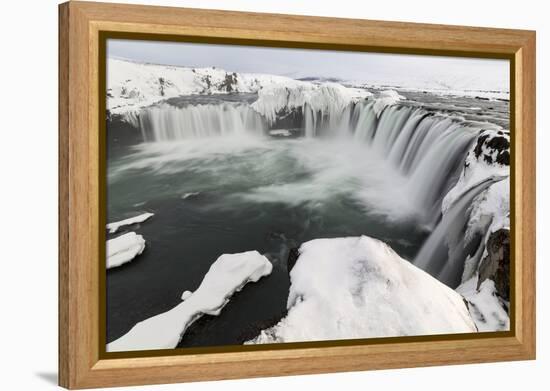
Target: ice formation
column 488, row 159
column 328, row 98
column 227, row 275
column 384, row 99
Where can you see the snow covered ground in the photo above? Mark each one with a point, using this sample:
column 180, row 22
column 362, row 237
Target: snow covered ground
column 132, row 85
column 358, row 287
column 124, row 248
column 227, row 275
column 114, row 227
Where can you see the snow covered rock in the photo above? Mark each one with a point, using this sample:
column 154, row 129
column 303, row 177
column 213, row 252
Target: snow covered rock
column 113, row 227
column 490, row 210
column 358, row 287
column 124, row 248
column 227, row 275
column 494, row 147
column 486, row 158
column 489, row 312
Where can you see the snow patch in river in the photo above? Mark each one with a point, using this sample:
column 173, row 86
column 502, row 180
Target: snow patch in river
column 227, row 275
column 124, row 248
column 113, row 227
column 358, row 287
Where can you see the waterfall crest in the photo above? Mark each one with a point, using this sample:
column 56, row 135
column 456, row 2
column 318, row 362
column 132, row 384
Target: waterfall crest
column 168, row 123
column 426, row 148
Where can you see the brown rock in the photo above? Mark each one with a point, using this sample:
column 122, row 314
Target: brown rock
column 496, row 265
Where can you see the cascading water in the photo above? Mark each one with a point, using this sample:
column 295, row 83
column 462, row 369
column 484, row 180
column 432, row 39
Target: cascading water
column 424, row 147
column 427, row 148
column 167, row 123
column 441, row 255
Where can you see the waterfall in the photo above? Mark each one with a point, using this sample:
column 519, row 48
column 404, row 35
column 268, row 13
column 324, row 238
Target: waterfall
column 427, row 148
column 166, row 122
column 444, row 253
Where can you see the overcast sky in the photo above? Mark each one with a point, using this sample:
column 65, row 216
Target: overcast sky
column 395, row 69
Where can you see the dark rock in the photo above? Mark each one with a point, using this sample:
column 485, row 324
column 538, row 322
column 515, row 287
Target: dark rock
column 293, row 256
column 479, row 145
column 163, row 84
column 253, row 329
column 230, row 82
column 491, row 142
column 499, row 143
column 496, row 265
column 503, row 158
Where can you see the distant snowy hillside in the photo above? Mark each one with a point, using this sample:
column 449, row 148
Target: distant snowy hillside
column 132, row 85
column 358, row 287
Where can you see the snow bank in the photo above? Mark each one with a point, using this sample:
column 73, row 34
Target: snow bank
column 124, row 248
column 486, row 309
column 132, row 85
column 113, row 227
column 227, row 275
column 358, row 287
column 280, row 98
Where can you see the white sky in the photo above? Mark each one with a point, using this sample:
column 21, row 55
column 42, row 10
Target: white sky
column 379, row 68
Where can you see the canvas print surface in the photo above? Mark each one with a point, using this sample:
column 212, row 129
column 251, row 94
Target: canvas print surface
column 263, row 195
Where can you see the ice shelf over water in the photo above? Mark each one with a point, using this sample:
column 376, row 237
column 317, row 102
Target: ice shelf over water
column 227, row 275
column 358, row 287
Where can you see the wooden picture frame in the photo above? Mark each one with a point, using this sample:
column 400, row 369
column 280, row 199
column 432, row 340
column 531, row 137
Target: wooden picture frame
column 81, row 192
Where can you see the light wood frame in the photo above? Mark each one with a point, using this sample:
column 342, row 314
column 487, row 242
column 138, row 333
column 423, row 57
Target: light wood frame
column 81, row 364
